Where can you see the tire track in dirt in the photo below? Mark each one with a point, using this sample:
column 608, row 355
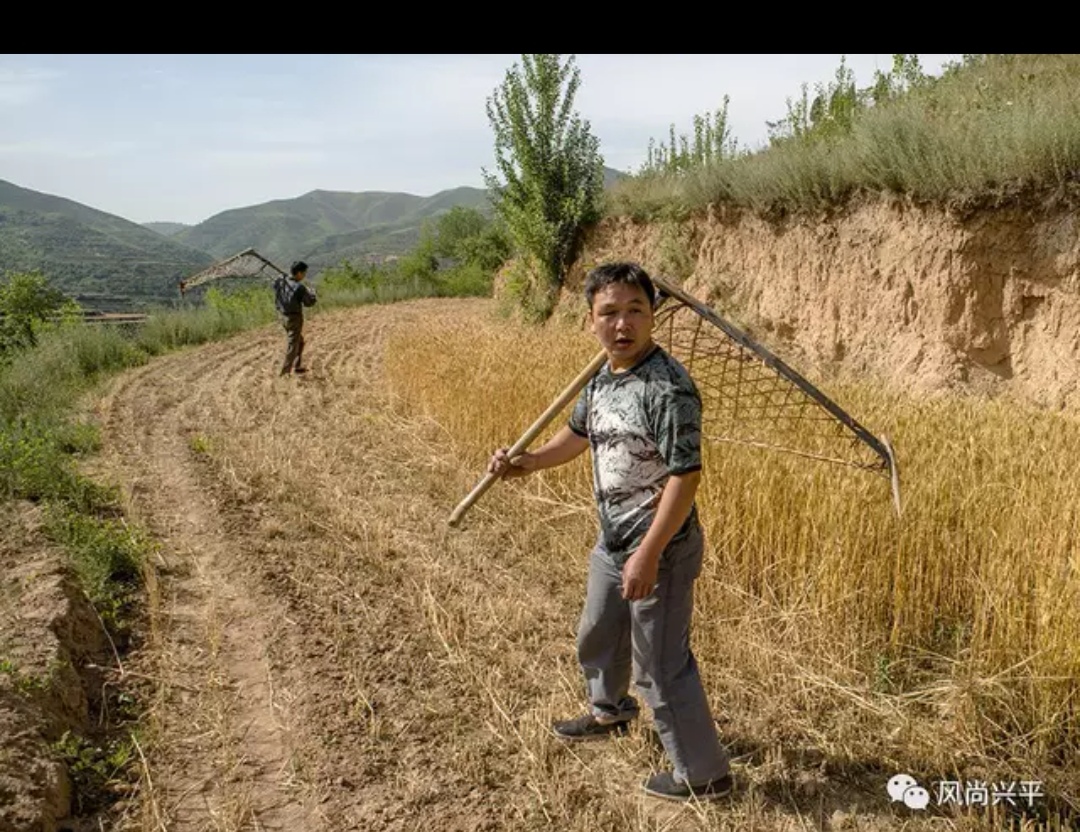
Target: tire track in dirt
column 227, row 765
column 290, row 698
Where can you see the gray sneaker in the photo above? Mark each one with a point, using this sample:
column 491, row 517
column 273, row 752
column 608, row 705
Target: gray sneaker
column 664, row 785
column 588, row 727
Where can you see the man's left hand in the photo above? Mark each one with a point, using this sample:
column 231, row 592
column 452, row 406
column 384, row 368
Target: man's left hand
column 639, row 575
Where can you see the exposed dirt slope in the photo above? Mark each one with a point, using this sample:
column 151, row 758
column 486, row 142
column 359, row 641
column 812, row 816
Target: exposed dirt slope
column 49, row 635
column 917, row 296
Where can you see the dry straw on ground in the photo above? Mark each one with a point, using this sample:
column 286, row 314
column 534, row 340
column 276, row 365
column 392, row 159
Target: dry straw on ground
column 411, row 671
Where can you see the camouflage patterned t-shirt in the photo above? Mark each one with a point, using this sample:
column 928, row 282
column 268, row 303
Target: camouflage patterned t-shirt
column 643, row 425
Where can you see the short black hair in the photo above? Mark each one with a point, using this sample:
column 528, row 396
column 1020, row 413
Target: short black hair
column 297, row 267
column 622, row 272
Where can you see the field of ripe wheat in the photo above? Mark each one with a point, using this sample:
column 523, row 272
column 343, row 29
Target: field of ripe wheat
column 945, row 642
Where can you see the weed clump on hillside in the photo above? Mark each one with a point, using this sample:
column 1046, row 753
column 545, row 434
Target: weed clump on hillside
column 990, row 128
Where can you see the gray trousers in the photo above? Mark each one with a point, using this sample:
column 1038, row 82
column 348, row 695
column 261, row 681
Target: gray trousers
column 652, row 638
column 294, row 350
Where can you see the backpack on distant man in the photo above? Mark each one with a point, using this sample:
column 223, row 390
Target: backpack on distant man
column 291, row 295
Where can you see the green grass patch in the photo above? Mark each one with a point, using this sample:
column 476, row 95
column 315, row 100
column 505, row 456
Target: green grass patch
column 94, row 766
column 107, row 554
column 350, row 288
column 25, row 683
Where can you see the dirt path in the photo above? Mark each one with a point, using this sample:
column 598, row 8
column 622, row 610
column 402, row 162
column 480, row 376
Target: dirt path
column 226, row 760
column 298, row 673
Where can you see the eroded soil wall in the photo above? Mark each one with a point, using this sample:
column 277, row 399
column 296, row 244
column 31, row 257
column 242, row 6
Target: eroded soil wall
column 914, row 295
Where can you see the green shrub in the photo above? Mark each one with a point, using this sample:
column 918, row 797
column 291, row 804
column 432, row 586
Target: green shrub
column 466, row 280
column 549, row 178
column 27, row 304
column 93, row 766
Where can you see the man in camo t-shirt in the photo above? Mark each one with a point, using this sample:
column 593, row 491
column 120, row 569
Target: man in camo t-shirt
column 643, row 425
column 641, row 416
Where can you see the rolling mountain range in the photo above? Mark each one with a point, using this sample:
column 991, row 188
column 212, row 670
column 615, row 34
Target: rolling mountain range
column 325, row 227
column 169, row 229
column 103, row 261
column 108, row 263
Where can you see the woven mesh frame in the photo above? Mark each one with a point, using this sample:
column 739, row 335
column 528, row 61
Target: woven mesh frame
column 749, row 396
column 248, row 263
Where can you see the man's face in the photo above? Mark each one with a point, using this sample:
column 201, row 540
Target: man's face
column 300, row 275
column 621, row 318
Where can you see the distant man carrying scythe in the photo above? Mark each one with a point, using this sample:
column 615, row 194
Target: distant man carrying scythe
column 290, row 298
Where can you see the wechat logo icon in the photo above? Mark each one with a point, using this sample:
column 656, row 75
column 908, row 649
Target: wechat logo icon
column 903, row 788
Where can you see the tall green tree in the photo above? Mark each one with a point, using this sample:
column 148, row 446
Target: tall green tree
column 550, row 174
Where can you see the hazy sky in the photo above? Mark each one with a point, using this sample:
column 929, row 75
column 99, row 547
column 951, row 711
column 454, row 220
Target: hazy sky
column 182, row 137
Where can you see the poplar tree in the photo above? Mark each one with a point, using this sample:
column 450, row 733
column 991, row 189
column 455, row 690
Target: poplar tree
column 549, row 176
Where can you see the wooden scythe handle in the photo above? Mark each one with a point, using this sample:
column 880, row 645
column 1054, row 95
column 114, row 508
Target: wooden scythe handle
column 526, row 438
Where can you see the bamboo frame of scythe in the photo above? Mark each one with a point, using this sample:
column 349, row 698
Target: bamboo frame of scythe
column 222, row 270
